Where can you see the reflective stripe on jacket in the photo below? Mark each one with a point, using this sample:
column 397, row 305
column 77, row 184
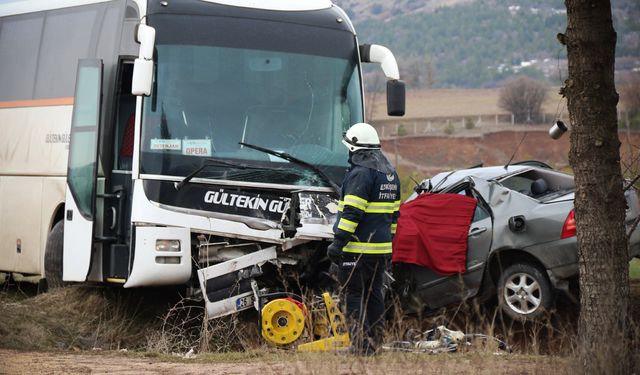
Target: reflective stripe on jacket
column 368, row 211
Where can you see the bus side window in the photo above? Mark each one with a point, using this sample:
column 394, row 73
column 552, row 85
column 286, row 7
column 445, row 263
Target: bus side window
column 125, row 119
column 126, row 146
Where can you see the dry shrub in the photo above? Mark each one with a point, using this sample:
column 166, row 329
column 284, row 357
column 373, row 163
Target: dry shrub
column 73, row 317
column 185, row 328
column 485, row 326
column 82, row 317
column 449, row 129
column 523, row 97
column 469, row 124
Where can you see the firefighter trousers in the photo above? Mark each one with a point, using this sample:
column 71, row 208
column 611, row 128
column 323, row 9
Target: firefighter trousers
column 361, row 280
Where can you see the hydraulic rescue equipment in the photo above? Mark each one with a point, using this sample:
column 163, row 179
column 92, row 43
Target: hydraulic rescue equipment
column 330, row 327
column 283, row 321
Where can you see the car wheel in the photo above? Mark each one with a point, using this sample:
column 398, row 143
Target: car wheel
column 524, row 292
column 53, row 256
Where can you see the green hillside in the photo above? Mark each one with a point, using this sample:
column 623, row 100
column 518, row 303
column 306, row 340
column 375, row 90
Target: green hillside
column 480, row 43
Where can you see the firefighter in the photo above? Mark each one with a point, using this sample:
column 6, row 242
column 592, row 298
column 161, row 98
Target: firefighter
column 364, row 228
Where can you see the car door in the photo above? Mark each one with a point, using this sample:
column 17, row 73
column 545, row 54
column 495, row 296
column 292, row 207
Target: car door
column 479, row 242
column 436, row 290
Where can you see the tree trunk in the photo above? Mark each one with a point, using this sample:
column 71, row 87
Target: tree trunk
column 603, row 344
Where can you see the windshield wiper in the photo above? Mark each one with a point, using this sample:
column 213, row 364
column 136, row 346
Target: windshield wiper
column 293, row 159
column 216, row 163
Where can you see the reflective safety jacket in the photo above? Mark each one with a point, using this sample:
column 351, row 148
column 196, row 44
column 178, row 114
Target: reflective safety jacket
column 368, row 211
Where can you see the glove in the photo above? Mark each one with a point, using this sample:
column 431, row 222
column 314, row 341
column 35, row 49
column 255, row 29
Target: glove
column 334, row 251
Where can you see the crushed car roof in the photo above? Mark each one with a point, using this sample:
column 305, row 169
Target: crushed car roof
column 486, row 173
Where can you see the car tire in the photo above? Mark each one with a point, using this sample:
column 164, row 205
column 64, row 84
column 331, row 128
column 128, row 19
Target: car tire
column 524, row 292
column 53, row 256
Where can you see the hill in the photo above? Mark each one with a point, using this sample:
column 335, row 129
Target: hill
column 360, row 10
column 480, row 43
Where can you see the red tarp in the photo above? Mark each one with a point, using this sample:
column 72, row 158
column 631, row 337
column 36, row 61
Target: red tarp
column 432, row 232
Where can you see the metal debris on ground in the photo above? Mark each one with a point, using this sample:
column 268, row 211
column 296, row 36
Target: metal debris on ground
column 188, row 355
column 440, row 340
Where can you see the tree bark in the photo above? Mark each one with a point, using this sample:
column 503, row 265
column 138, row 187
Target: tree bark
column 603, row 343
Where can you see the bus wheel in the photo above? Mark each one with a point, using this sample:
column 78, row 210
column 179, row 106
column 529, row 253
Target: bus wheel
column 53, row 256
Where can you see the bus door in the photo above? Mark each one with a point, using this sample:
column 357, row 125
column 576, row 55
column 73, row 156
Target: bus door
column 80, row 201
column 117, row 214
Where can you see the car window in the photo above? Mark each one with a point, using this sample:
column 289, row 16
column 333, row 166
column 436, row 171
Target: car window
column 480, row 213
column 518, row 183
column 540, row 184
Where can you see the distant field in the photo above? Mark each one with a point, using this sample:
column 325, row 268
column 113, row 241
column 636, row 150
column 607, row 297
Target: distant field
column 456, row 102
column 634, row 269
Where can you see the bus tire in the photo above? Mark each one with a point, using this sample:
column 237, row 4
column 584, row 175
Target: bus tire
column 53, row 256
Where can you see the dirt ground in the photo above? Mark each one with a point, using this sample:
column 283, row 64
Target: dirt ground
column 12, row 362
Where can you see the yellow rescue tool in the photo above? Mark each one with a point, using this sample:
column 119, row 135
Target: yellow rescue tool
column 283, row 322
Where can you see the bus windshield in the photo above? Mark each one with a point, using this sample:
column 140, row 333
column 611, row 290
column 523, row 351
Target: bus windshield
column 218, row 82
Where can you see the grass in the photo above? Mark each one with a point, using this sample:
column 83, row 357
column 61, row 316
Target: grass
column 634, row 268
column 84, row 318
column 77, row 318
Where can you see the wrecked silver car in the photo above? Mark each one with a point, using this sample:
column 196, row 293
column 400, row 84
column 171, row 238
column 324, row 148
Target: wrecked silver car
column 520, row 245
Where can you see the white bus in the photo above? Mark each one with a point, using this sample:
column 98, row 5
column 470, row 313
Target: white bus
column 191, row 142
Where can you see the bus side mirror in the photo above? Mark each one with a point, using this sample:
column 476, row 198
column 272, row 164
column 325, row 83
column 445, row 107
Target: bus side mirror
column 143, row 65
column 142, row 77
column 374, row 53
column 395, row 97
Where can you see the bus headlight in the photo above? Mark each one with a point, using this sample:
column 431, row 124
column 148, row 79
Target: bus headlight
column 168, row 245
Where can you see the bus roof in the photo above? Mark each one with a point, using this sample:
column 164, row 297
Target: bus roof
column 286, row 5
column 12, row 7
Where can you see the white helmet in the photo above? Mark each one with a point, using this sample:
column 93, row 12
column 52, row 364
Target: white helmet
column 361, row 136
